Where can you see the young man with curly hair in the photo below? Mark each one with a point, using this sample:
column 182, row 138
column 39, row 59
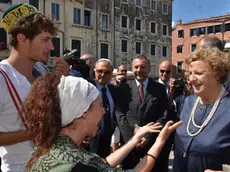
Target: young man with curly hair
column 31, row 39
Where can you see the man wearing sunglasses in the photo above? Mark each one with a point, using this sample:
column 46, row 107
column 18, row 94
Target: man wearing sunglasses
column 139, row 102
column 164, row 74
column 103, row 74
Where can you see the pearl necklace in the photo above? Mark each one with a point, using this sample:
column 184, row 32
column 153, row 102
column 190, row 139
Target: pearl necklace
column 212, row 112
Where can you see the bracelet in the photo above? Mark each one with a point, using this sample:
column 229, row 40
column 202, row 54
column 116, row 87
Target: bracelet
column 153, row 157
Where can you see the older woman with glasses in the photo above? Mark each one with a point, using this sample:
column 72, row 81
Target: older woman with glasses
column 62, row 112
column 203, row 141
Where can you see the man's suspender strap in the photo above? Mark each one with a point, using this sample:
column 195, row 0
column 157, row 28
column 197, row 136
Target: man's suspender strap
column 14, row 95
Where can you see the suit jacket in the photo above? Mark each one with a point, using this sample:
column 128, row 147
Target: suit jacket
column 130, row 110
column 227, row 83
column 94, row 143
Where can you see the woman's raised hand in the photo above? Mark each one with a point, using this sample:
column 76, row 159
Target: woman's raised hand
column 168, row 129
column 140, row 132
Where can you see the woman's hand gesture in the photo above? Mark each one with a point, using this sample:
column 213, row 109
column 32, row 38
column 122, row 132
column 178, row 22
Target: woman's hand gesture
column 167, row 130
column 140, row 132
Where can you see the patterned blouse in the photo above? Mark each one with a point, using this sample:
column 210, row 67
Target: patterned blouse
column 64, row 156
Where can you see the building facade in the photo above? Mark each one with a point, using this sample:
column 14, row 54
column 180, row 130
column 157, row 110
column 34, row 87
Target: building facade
column 186, row 36
column 114, row 29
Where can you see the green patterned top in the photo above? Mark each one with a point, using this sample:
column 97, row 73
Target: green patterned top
column 64, row 156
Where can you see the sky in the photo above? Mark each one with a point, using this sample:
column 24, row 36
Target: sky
column 189, row 10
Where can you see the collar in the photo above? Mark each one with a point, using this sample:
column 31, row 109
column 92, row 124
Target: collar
column 99, row 86
column 145, row 83
column 160, row 81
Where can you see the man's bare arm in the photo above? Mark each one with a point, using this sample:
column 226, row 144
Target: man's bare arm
column 10, row 138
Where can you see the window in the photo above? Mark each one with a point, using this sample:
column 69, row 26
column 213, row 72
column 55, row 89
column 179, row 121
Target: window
column 35, row 3
column 153, row 5
column 138, row 47
column 124, row 21
column 124, row 46
column 180, row 49
column 165, row 30
column 193, row 47
column 227, row 27
column 104, row 50
column 76, row 16
column 180, row 33
column 202, row 31
column 105, row 22
column 179, row 67
column 3, row 41
column 138, row 3
column 153, row 27
column 56, row 11
column 210, row 29
column 152, row 49
column 6, row 1
column 217, row 28
column 164, row 51
column 87, row 18
column 138, row 24
column 57, row 47
column 164, row 8
column 124, row 1
column 193, row 32
column 76, row 44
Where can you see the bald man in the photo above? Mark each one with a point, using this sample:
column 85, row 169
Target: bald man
column 164, row 73
column 164, row 78
column 89, row 57
column 103, row 74
column 211, row 41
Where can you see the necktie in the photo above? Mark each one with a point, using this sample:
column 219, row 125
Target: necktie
column 166, row 87
column 106, row 118
column 141, row 91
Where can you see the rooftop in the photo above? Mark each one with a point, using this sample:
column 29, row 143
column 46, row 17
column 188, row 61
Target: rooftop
column 221, row 18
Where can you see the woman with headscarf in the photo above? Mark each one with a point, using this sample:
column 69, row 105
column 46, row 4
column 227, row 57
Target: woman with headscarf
column 203, row 141
column 62, row 112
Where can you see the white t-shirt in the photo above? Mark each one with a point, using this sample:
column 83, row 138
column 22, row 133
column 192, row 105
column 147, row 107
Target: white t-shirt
column 14, row 156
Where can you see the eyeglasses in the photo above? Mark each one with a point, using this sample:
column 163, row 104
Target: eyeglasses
column 165, row 71
column 104, row 72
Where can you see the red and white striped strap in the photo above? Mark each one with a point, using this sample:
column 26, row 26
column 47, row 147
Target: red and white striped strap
column 14, row 95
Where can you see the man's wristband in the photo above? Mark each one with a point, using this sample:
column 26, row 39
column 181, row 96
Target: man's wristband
column 153, row 157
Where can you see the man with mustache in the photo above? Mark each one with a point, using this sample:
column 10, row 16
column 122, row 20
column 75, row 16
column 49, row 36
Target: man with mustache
column 139, row 102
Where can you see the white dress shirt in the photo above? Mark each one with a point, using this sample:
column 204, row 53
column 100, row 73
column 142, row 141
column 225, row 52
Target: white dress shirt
column 145, row 84
column 165, row 84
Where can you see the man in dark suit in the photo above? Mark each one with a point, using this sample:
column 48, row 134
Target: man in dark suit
column 103, row 74
column 141, row 101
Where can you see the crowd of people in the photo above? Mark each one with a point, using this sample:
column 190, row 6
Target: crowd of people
column 51, row 120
